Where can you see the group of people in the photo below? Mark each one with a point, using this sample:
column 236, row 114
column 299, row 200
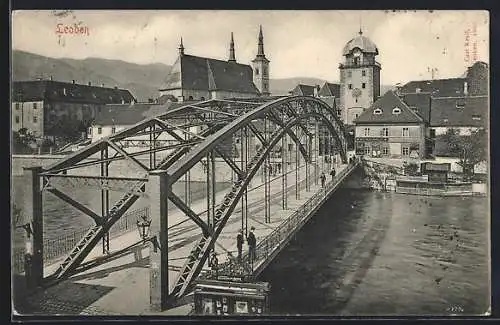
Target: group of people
column 333, row 172
column 251, row 241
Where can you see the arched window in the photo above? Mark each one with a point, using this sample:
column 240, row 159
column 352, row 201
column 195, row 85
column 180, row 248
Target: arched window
column 377, row 111
column 190, row 98
column 396, row 111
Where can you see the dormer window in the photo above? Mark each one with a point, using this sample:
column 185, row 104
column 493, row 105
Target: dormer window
column 377, row 111
column 445, row 120
column 396, row 111
column 476, row 117
column 418, row 90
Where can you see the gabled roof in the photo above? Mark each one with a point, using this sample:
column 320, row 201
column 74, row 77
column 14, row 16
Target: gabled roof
column 329, row 89
column 35, row 90
column 420, row 104
column 303, row 90
column 437, row 87
column 386, row 104
column 472, row 111
column 199, row 73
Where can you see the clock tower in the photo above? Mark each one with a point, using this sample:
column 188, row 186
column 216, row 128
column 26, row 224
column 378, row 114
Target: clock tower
column 359, row 77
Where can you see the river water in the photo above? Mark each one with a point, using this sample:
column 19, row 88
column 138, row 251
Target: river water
column 376, row 253
column 364, row 253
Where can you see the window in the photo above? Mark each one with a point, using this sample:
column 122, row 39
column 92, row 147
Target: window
column 17, row 106
column 418, row 90
column 99, row 130
column 257, row 71
column 356, row 100
column 385, row 151
column 406, row 151
column 35, row 119
column 202, row 98
column 349, row 74
column 356, row 116
column 350, row 86
column 89, row 131
column 367, row 132
column 17, row 119
column 339, row 112
column 396, row 111
column 385, row 132
column 190, row 98
column 476, row 117
column 290, row 147
column 356, row 61
column 377, row 111
column 363, row 73
column 34, row 106
column 366, row 150
column 433, row 133
column 406, row 132
column 113, row 130
column 445, row 120
column 460, row 104
column 363, row 85
column 264, row 71
column 64, row 91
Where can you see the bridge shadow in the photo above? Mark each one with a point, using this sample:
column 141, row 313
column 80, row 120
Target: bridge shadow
column 325, row 279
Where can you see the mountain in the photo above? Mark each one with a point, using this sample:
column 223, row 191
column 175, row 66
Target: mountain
column 143, row 80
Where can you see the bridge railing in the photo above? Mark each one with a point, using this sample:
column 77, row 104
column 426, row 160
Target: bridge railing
column 55, row 248
column 271, row 242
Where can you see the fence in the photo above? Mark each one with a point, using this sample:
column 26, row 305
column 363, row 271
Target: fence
column 55, row 248
column 285, row 230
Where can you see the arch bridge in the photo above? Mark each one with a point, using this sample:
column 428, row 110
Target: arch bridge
column 157, row 160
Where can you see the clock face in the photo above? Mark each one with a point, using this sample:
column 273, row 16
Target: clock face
column 356, row 92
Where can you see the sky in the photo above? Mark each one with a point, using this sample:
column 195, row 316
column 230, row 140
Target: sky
column 298, row 43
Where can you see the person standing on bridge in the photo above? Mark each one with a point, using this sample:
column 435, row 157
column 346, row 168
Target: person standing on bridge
column 239, row 244
column 333, row 173
column 252, row 242
column 323, row 179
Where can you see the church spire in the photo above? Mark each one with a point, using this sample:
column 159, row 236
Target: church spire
column 181, row 48
column 260, row 51
column 232, row 57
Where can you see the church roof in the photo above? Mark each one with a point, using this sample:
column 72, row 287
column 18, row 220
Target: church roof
column 438, row 87
column 200, row 73
column 330, row 89
column 365, row 44
column 386, row 105
column 462, row 111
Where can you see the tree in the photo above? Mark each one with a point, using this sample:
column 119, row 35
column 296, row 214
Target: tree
column 470, row 149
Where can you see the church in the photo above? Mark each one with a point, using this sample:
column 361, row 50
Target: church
column 200, row 78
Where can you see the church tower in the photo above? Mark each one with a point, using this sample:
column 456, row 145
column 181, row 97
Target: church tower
column 260, row 67
column 232, row 56
column 359, row 77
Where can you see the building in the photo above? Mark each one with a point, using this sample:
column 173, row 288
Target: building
column 359, row 77
column 391, row 129
column 54, row 108
column 330, row 94
column 304, row 90
column 199, row 78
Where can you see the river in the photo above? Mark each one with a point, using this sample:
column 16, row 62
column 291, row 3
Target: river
column 375, row 253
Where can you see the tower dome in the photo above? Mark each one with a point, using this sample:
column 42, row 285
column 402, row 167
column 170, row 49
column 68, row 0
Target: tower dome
column 365, row 44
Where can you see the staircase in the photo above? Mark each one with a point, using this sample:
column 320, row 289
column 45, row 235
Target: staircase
column 88, row 242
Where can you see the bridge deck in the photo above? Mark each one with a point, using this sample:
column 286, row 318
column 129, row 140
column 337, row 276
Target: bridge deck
column 121, row 285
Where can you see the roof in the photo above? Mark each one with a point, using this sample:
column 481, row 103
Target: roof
column 420, row 103
column 35, row 90
column 438, row 87
column 472, row 111
column 329, row 89
column 387, row 103
column 132, row 114
column 365, row 44
column 303, row 90
column 428, row 166
column 166, row 98
column 199, row 73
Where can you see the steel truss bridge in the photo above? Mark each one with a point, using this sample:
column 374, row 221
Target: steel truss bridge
column 177, row 141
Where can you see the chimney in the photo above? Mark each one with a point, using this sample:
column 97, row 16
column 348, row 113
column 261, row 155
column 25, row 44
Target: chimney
column 316, row 90
column 90, row 84
column 466, row 88
column 116, row 87
column 73, row 81
column 51, row 78
column 102, row 85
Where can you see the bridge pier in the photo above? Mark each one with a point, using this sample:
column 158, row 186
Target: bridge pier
column 158, row 189
column 33, row 226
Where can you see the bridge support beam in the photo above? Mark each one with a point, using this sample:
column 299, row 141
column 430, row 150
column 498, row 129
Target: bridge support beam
column 158, row 188
column 33, row 226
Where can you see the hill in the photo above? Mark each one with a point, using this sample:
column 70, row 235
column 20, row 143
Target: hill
column 143, row 80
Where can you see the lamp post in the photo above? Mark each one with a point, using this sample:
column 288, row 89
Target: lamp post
column 143, row 226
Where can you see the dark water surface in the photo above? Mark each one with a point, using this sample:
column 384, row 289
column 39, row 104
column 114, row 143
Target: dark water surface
column 373, row 253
